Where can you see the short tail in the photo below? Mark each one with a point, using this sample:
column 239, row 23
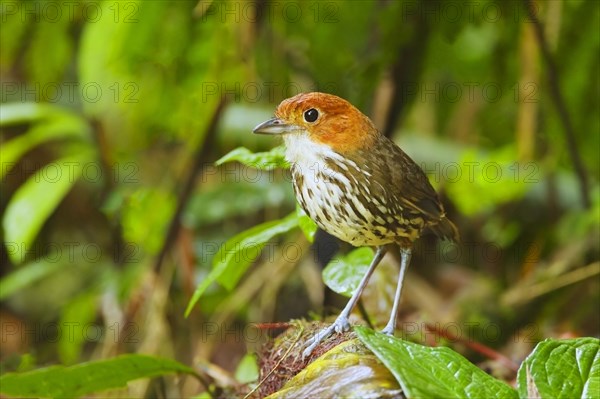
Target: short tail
column 446, row 230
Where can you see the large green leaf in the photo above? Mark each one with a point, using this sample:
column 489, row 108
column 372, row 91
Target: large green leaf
column 235, row 256
column 343, row 273
column 60, row 126
column 86, row 378
column 260, row 160
column 101, row 67
column 567, row 368
column 36, row 199
column 425, row 372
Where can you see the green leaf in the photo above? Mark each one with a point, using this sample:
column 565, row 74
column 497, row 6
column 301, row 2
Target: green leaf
column 102, row 66
column 238, row 252
column 567, row 368
column 76, row 317
column 13, row 29
column 46, row 66
column 425, row 372
column 19, row 113
column 86, row 378
column 26, row 274
column 260, row 160
column 223, row 201
column 306, row 224
column 343, row 274
column 26, row 363
column 247, row 369
column 145, row 217
column 60, row 127
column 235, row 256
column 489, row 180
column 36, row 199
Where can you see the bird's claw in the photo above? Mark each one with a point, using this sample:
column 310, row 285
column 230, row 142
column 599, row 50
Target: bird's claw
column 340, row 325
column 388, row 331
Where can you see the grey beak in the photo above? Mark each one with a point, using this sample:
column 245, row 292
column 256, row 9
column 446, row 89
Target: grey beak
column 275, row 126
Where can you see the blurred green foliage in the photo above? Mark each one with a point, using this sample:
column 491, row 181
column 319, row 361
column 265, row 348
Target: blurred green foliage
column 106, row 106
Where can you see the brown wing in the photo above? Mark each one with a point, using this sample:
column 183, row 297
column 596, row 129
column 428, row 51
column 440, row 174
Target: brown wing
column 410, row 196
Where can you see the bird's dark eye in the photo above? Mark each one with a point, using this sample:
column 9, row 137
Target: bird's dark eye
column 311, row 115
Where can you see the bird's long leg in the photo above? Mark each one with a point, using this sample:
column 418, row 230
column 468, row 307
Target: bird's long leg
column 405, row 254
column 341, row 324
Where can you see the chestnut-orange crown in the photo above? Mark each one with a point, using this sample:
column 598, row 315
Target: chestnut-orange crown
column 338, row 123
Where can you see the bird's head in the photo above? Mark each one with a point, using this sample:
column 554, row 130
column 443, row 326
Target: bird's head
column 322, row 118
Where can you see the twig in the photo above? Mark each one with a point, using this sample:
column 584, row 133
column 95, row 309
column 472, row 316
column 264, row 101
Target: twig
column 559, row 102
column 523, row 294
column 200, row 156
column 119, row 245
column 205, row 384
column 274, row 326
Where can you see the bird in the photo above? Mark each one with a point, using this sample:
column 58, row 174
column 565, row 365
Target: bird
column 357, row 185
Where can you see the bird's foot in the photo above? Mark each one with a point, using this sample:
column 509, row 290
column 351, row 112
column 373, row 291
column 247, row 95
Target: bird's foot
column 388, row 330
column 340, row 325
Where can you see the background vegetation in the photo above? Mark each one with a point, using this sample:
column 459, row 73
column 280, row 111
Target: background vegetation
column 114, row 112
